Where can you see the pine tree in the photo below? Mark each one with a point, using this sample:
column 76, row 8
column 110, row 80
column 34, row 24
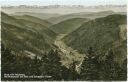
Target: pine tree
column 73, row 73
column 35, row 65
column 52, row 65
column 122, row 71
column 66, row 73
column 112, row 70
column 89, row 67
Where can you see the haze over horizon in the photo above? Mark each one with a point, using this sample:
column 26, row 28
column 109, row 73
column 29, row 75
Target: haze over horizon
column 62, row 2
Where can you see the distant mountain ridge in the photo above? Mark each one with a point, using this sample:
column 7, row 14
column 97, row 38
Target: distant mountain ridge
column 38, row 15
column 63, row 6
column 90, row 15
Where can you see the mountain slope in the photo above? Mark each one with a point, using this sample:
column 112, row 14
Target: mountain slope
column 10, row 20
column 26, row 37
column 33, row 19
column 101, row 34
column 26, row 24
column 68, row 26
column 37, row 27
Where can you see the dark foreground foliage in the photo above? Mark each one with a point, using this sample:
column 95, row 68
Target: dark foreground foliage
column 107, row 69
column 50, row 67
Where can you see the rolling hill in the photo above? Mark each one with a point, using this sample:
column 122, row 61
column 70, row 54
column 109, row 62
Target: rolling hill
column 38, row 15
column 68, row 26
column 33, row 19
column 101, row 34
column 26, row 37
column 37, row 27
column 90, row 15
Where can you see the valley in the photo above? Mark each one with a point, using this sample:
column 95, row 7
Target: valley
column 70, row 55
column 71, row 46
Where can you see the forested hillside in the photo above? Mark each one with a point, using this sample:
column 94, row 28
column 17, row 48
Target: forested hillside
column 101, row 34
column 103, row 40
column 26, row 36
column 68, row 26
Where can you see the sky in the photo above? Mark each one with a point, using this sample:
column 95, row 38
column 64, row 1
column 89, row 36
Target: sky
column 62, row 2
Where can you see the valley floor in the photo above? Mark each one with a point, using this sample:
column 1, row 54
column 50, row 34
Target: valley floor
column 70, row 55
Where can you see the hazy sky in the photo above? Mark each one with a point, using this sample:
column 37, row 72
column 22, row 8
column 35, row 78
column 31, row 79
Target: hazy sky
column 63, row 2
